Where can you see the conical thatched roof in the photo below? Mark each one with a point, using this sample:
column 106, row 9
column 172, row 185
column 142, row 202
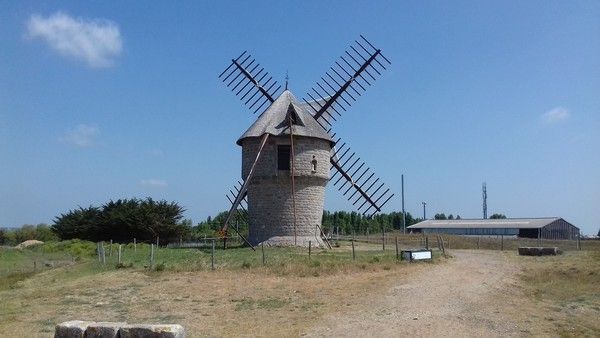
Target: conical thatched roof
column 275, row 121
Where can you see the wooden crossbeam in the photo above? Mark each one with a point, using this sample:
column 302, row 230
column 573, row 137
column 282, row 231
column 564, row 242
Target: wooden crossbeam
column 242, row 193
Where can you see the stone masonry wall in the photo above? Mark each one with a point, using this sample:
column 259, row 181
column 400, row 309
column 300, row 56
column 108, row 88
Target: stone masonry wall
column 270, row 203
column 304, row 149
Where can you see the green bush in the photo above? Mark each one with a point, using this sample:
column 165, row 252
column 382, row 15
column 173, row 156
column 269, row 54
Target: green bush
column 75, row 247
column 124, row 265
column 160, row 267
column 123, row 220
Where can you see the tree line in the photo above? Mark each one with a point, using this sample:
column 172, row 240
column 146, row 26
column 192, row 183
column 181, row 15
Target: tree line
column 340, row 221
column 147, row 219
column 443, row 216
column 41, row 232
column 124, row 219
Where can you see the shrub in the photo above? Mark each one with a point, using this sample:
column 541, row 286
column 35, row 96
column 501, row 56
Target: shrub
column 160, row 267
column 74, row 247
column 3, row 237
column 124, row 265
column 123, row 220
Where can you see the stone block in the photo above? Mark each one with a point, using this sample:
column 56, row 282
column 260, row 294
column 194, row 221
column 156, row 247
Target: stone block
column 71, row 329
column 152, row 331
column 103, row 330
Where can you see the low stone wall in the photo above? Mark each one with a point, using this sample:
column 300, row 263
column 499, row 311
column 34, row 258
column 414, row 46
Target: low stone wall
column 539, row 251
column 86, row 329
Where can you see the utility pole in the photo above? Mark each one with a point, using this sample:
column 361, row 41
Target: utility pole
column 484, row 189
column 403, row 212
column 424, row 214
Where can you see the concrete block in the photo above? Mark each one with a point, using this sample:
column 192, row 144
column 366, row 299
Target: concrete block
column 152, row 331
column 103, row 330
column 71, row 329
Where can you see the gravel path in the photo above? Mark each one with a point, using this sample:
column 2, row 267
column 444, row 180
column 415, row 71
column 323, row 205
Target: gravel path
column 473, row 294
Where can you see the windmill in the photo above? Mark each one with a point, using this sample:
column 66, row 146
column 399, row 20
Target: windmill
column 289, row 151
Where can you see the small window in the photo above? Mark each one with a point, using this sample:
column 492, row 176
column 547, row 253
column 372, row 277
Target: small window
column 314, row 164
column 283, row 157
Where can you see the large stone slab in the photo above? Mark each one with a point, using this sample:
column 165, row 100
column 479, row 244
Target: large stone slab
column 103, row 330
column 152, row 331
column 71, row 329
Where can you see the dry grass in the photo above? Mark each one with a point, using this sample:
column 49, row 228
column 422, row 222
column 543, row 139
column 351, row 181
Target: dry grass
column 288, row 295
column 282, row 298
column 565, row 291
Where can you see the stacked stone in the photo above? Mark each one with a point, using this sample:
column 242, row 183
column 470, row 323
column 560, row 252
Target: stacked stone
column 87, row 329
column 270, row 200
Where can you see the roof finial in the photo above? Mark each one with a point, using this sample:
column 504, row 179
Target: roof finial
column 286, row 79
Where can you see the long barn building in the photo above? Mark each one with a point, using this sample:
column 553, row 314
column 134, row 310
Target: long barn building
column 545, row 228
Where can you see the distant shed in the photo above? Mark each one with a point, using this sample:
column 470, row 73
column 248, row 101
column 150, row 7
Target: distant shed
column 546, row 228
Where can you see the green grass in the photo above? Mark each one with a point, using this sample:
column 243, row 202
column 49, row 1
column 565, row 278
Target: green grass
column 79, row 258
column 269, row 303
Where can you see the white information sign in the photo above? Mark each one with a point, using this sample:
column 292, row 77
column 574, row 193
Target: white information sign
column 421, row 255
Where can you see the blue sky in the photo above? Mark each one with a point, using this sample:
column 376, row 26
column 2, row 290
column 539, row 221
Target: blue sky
column 107, row 100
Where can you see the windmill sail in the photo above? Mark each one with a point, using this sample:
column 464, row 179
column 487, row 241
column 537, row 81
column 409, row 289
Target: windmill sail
column 242, row 210
column 369, row 194
column 348, row 78
column 333, row 94
column 250, row 82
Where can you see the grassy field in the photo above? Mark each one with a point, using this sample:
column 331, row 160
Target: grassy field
column 69, row 282
column 567, row 288
column 278, row 261
column 55, row 282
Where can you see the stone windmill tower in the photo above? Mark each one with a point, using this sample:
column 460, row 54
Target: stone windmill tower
column 288, row 152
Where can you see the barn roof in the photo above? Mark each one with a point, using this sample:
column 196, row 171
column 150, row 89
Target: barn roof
column 506, row 223
column 274, row 120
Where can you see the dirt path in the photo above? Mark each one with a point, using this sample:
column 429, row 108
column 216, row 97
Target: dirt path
column 473, row 294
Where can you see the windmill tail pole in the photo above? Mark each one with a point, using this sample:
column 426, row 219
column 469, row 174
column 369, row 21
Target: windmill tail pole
column 244, row 189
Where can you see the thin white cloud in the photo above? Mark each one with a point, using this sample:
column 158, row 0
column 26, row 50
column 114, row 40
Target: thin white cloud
column 555, row 115
column 96, row 41
column 81, row 136
column 152, row 182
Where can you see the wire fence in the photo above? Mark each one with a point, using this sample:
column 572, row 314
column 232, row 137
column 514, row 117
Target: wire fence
column 498, row 242
column 211, row 253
